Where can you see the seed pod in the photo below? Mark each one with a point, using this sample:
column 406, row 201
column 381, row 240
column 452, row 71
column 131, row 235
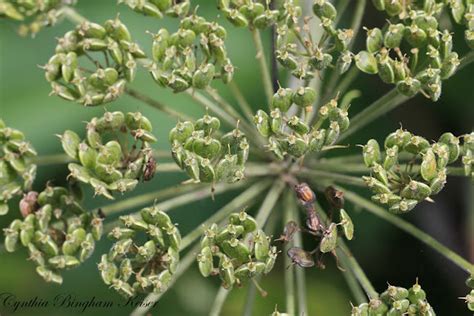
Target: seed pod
column 371, row 153
column 262, row 123
column 394, row 35
column 297, row 125
column 282, row 99
column 374, row 40
column 205, row 261
column 347, row 225
column 324, row 9
column 344, row 62
column 329, row 241
column 428, row 166
column 409, row 86
column 366, row 62
column 304, row 97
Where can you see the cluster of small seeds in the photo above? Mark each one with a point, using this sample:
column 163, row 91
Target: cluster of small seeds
column 312, row 56
column 158, row 8
column 204, row 156
column 468, row 154
column 325, row 233
column 106, row 160
column 292, row 135
column 237, row 252
column 469, row 298
column 112, row 57
column 428, row 58
column 248, row 13
column 397, row 300
column 17, row 172
column 179, row 64
column 133, row 266
column 57, row 231
column 402, row 187
column 34, row 15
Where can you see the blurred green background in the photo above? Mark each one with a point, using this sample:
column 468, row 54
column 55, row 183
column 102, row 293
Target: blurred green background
column 385, row 253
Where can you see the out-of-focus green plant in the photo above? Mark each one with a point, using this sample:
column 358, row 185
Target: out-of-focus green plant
column 270, row 152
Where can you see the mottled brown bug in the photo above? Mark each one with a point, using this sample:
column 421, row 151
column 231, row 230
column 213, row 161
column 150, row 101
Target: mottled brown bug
column 150, row 169
column 290, row 229
column 301, row 257
column 335, row 197
column 304, row 193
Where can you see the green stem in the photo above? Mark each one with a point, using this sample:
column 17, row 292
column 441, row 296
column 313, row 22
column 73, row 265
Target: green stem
column 410, row 229
column 264, row 71
column 357, row 20
column 157, row 105
column 289, row 267
column 466, row 60
column 72, row 15
column 241, row 101
column 350, row 262
column 300, row 272
column 353, row 285
column 270, row 200
column 184, row 264
column 385, row 104
column 246, row 198
column 330, row 176
column 219, row 301
column 207, row 104
column 202, row 191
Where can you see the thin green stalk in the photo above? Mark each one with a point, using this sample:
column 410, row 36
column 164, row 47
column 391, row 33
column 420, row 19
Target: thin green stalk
column 250, row 299
column 410, row 229
column 344, row 253
column 357, row 20
column 330, row 176
column 353, row 285
column 200, row 192
column 289, row 267
column 241, row 100
column 341, row 8
column 300, row 272
column 350, row 262
column 219, row 301
column 183, row 266
column 466, row 60
column 246, row 127
column 72, row 15
column 157, row 105
column 207, row 104
column 385, row 104
column 269, row 203
column 246, row 198
column 264, row 71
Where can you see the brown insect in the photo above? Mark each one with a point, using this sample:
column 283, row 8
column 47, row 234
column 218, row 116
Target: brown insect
column 335, row 197
column 304, row 193
column 150, row 169
column 290, row 229
column 301, row 257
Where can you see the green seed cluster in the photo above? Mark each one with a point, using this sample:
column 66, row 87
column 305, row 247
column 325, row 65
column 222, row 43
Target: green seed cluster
column 395, row 301
column 17, row 172
column 468, row 154
column 158, row 8
column 34, row 15
column 309, row 57
column 193, row 56
column 57, row 231
column 401, row 186
column 206, row 157
column 292, row 135
column 237, row 252
column 105, row 158
column 112, row 57
column 428, row 57
column 142, row 265
column 248, row 13
column 470, row 297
